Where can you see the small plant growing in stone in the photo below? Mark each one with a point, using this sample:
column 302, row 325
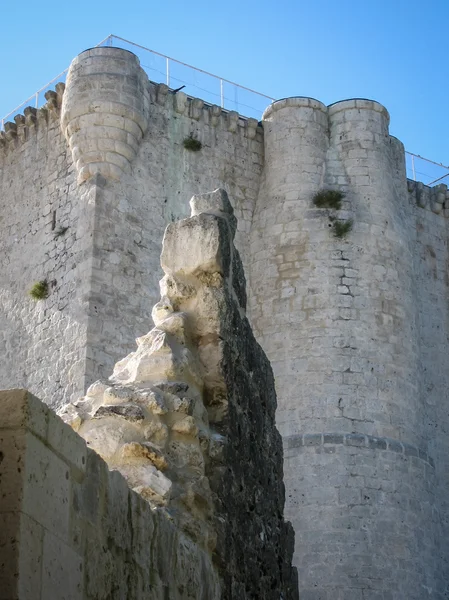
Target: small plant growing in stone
column 342, row 228
column 192, row 144
column 39, row 291
column 328, row 199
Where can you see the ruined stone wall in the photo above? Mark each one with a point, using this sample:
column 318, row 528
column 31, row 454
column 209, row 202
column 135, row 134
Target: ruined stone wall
column 189, row 417
column 43, row 236
column 72, row 529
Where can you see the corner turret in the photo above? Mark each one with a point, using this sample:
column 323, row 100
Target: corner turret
column 105, row 111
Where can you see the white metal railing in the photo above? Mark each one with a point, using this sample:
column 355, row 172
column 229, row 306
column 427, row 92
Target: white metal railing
column 198, row 83
column 216, row 90
column 425, row 170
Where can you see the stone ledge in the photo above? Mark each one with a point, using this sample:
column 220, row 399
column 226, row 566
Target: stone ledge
column 359, row 440
column 20, row 410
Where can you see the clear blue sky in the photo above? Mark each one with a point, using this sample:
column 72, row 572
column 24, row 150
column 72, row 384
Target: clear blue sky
column 393, row 51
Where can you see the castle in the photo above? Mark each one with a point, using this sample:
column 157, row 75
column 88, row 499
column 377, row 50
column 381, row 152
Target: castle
column 348, row 299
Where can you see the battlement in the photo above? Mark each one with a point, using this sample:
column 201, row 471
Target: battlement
column 210, row 114
column 32, row 119
column 434, row 198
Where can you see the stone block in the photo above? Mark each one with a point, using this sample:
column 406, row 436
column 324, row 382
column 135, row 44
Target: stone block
column 333, row 438
column 200, row 244
column 62, row 570
column 46, row 488
column 312, row 439
column 20, row 409
column 20, row 557
column 216, row 203
column 66, row 442
column 12, row 468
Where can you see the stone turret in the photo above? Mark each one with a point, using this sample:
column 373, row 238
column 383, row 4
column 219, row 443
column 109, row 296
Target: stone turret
column 105, row 111
column 336, row 314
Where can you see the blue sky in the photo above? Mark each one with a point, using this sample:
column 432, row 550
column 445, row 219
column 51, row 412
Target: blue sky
column 393, row 51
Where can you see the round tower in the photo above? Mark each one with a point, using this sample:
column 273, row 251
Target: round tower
column 105, row 111
column 332, row 302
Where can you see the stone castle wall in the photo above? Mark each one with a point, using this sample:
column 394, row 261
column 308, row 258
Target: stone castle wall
column 188, row 419
column 112, row 245
column 43, row 225
column 356, row 328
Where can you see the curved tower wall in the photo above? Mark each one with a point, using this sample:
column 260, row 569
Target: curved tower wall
column 105, row 111
column 284, row 238
column 383, row 311
column 337, row 319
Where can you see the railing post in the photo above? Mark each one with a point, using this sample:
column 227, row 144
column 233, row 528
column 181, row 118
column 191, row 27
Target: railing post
column 167, row 66
column 413, row 168
column 221, row 93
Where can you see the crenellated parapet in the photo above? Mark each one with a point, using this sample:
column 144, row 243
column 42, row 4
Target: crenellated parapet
column 434, row 198
column 204, row 113
column 32, row 120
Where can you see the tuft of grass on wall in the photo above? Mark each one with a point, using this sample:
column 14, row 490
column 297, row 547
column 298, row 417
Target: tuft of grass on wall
column 39, row 291
column 328, row 199
column 342, row 228
column 192, row 144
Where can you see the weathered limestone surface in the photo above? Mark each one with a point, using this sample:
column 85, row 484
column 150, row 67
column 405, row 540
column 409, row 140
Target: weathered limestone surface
column 189, row 417
column 70, row 529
